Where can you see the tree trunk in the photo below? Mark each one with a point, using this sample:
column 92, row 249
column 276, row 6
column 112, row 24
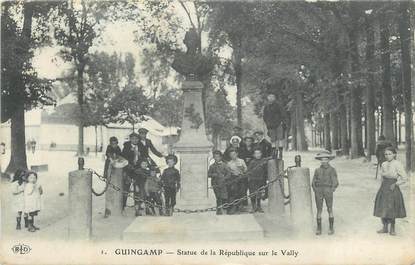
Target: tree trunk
column 399, row 128
column 335, row 130
column 356, row 102
column 386, row 80
column 301, row 142
column 343, row 128
column 238, row 80
column 293, row 130
column 327, row 141
column 18, row 158
column 370, row 90
column 80, row 84
column 96, row 140
column 405, row 33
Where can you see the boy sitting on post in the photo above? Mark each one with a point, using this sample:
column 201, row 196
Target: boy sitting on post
column 170, row 180
column 324, row 184
column 219, row 173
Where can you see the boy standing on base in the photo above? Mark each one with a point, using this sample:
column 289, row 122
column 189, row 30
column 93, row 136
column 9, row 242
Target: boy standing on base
column 257, row 174
column 170, row 180
column 324, row 184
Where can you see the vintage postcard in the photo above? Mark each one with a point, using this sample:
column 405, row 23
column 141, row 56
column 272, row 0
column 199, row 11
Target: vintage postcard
column 207, row 132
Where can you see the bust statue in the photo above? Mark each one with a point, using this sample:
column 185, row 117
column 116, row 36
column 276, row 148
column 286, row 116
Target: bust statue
column 192, row 64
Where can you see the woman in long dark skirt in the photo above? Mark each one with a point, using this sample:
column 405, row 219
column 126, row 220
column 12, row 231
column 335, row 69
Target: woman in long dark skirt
column 389, row 203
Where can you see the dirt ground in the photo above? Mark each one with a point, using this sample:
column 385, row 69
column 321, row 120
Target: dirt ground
column 353, row 202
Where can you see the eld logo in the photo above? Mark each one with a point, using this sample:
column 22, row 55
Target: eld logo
column 21, row 249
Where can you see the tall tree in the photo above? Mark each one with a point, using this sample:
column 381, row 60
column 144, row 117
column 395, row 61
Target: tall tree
column 405, row 32
column 21, row 88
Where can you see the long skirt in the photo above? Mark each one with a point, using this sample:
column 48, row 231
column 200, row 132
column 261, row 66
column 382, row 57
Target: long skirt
column 389, row 203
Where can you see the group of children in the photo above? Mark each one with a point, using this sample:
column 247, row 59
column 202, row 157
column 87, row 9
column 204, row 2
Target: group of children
column 147, row 184
column 27, row 194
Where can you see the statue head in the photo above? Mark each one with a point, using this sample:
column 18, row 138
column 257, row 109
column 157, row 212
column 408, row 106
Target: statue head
column 191, row 40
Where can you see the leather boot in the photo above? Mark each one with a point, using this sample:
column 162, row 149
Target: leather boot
column 18, row 220
column 331, row 225
column 385, row 227
column 392, row 231
column 318, row 232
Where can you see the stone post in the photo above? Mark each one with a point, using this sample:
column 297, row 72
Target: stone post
column 113, row 198
column 80, row 205
column 300, row 199
column 276, row 207
column 193, row 148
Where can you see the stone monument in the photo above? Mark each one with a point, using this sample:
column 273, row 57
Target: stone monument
column 193, row 148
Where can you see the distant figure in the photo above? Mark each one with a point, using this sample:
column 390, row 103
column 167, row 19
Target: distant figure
column 170, row 180
column 324, row 184
column 33, row 145
column 219, row 173
column 32, row 199
column 389, row 203
column 274, row 116
column 2, row 148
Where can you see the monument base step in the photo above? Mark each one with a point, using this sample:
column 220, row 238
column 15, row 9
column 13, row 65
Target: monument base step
column 194, row 227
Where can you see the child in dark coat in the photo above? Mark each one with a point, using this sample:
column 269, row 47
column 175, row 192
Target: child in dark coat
column 257, row 174
column 219, row 173
column 324, row 184
column 170, row 180
column 389, row 203
column 112, row 151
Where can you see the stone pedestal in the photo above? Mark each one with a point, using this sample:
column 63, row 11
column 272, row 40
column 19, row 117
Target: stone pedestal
column 80, row 205
column 113, row 198
column 193, row 149
column 276, row 207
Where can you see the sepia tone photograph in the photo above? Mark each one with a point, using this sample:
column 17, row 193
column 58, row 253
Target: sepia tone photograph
column 207, row 132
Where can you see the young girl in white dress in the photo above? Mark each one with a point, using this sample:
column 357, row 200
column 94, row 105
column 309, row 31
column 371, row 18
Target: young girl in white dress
column 18, row 186
column 32, row 199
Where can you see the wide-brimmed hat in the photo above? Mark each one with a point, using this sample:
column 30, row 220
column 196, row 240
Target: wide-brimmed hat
column 235, row 137
column 325, row 154
column 248, row 137
column 171, row 157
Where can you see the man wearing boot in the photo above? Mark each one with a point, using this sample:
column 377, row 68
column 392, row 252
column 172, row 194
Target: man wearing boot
column 324, row 184
column 219, row 173
column 257, row 174
column 274, row 117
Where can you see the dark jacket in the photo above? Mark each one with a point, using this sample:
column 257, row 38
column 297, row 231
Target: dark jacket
column 143, row 148
column 140, row 176
column 246, row 154
column 273, row 115
column 128, row 153
column 220, row 174
column 265, row 147
column 325, row 177
column 170, row 178
column 110, row 151
column 257, row 170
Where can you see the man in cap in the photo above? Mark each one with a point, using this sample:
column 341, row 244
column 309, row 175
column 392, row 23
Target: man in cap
column 324, row 184
column 274, row 117
column 144, row 145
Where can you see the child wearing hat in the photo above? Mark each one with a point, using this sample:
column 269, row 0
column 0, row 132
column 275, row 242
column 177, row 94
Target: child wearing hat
column 170, row 180
column 112, row 151
column 324, row 184
column 219, row 173
column 389, row 203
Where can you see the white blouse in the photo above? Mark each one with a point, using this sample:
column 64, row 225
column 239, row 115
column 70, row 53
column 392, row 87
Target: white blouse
column 394, row 169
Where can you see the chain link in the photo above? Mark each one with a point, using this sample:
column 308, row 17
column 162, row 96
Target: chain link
column 188, row 211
